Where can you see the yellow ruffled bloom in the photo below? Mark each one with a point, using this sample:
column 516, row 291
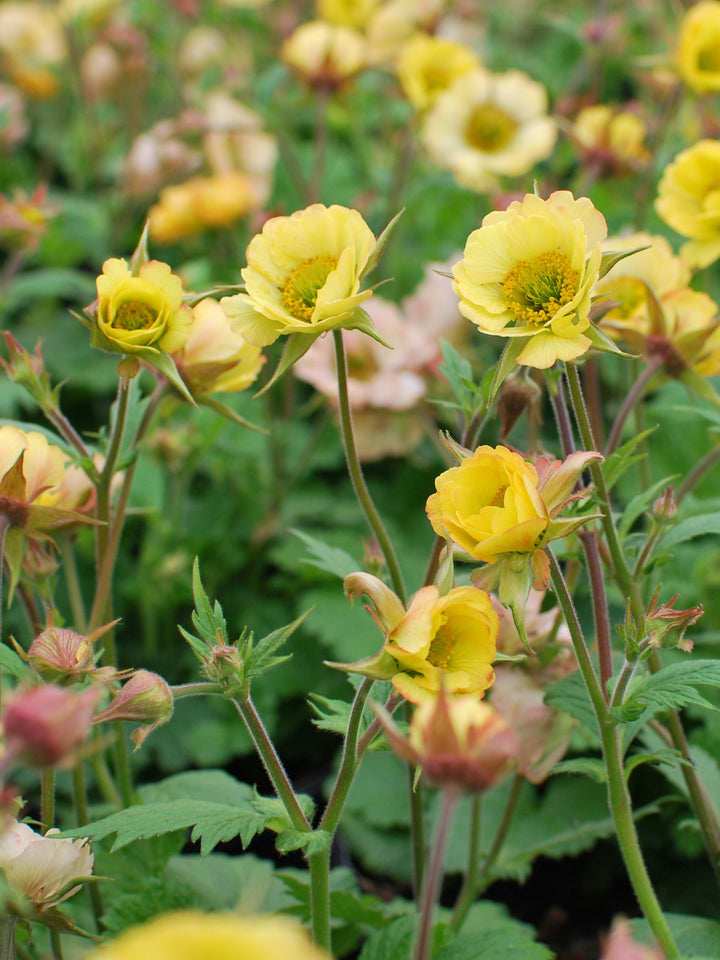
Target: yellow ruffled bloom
column 141, row 311
column 529, row 272
column 488, row 125
column 303, row 275
column 191, row 935
column 689, row 201
column 698, row 51
column 428, row 65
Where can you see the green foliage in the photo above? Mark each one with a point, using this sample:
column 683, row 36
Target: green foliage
column 672, row 687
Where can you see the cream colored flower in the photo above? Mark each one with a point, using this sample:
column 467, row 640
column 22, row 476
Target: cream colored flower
column 698, row 50
column 427, row 66
column 489, row 125
column 43, row 868
column 529, row 272
column 325, row 54
column 303, row 275
column 689, row 201
column 611, row 138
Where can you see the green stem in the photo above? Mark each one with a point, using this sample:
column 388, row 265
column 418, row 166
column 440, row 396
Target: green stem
column 182, row 690
column 319, row 864
column 697, row 473
column 47, row 799
column 633, row 397
column 7, row 938
column 467, row 892
column 72, row 584
column 618, row 794
column 56, row 945
column 434, row 875
column 355, row 470
column 82, row 817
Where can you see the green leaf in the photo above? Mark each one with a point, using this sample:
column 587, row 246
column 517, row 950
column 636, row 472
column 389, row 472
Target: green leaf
column 327, row 558
column 570, row 695
column 207, row 619
column 458, row 372
column 296, row 346
column 261, row 657
column 672, row 687
column 603, row 343
column 696, row 937
column 311, row 841
column 611, row 257
column 222, row 881
column 589, row 766
column 614, row 466
column 690, row 528
column 639, row 504
column 391, row 942
column 12, row 663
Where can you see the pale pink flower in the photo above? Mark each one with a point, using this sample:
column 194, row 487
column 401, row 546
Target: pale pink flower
column 43, row 868
column 619, row 945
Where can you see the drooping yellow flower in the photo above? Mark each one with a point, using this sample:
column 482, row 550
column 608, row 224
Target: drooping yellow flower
column 142, row 311
column 698, row 50
column 427, row 66
column 303, row 275
column 191, row 935
column 488, row 125
column 215, row 359
column 529, row 272
column 325, row 54
column 689, row 201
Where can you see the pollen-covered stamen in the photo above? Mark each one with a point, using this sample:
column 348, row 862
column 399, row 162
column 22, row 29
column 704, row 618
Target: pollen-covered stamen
column 535, row 289
column 133, row 315
column 441, row 647
column 489, row 128
column 301, row 287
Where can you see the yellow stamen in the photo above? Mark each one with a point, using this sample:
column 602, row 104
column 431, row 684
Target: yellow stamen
column 536, row 289
column 134, row 316
column 300, row 290
column 441, row 648
column 489, row 128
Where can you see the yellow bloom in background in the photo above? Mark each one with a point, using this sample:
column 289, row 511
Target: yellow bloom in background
column 32, row 46
column 529, row 272
column 346, row 13
column 136, row 312
column 489, row 505
column 611, row 138
column 657, row 267
column 325, row 54
column 215, row 359
column 191, row 935
column 303, row 274
column 427, row 66
column 689, row 201
column 698, row 50
column 198, row 204
column 489, row 125
column 444, row 641
column 395, row 22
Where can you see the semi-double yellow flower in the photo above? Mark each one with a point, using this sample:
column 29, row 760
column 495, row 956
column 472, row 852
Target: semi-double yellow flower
column 698, row 50
column 528, row 272
column 689, row 201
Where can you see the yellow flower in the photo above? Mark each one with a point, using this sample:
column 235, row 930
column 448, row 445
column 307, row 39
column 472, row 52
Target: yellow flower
column 529, row 272
column 689, row 201
column 346, row 13
column 488, row 125
column 303, row 275
column 444, row 641
column 458, row 742
column 32, row 46
column 191, row 935
column 698, row 51
column 427, row 66
column 611, row 138
column 395, row 21
column 201, row 202
column 325, row 54
column 143, row 311
column 215, row 359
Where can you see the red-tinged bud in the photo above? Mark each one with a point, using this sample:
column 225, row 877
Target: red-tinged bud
column 666, row 627
column 665, row 506
column 145, row 698
column 60, row 655
column 45, row 725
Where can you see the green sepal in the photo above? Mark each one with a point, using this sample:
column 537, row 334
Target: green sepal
column 380, row 245
column 380, row 666
column 512, row 577
column 221, row 290
column 164, row 364
column 359, row 320
column 701, row 386
column 225, row 411
column 603, row 343
column 506, row 364
column 297, row 346
column 140, row 255
column 609, row 259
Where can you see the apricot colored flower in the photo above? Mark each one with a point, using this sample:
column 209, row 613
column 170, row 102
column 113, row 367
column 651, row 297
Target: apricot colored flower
column 611, row 139
column 698, row 50
column 142, row 311
column 688, row 200
column 43, row 868
column 191, row 935
column 529, row 272
column 303, row 275
column 215, row 359
column 488, row 125
column 32, row 46
column 198, row 204
column 457, row 742
column 325, row 54
column 427, row 66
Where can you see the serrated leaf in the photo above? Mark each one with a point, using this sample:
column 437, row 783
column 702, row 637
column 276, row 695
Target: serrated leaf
column 324, row 557
column 274, row 814
column 262, row 657
column 391, row 942
column 696, row 937
column 672, row 687
column 571, row 696
column 332, row 715
column 311, row 841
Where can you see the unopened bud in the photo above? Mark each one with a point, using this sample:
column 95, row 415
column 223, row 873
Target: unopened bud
column 145, row 698
column 45, row 725
column 60, row 655
column 666, row 627
column 519, row 393
column 665, row 506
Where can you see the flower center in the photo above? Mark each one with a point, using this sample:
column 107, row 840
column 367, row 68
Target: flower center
column 133, row 315
column 300, row 290
column 709, row 59
column 489, row 128
column 536, row 289
column 441, row 647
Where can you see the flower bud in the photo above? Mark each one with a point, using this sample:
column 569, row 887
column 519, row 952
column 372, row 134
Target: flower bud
column 665, row 627
column 46, row 725
column 519, row 393
column 145, row 697
column 665, row 507
column 60, row 655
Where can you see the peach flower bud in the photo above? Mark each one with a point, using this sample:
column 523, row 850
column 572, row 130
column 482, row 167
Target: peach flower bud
column 46, row 725
column 60, row 655
column 43, row 868
column 145, row 697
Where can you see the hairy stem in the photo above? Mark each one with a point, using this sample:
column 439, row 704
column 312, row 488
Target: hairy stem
column 434, row 875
